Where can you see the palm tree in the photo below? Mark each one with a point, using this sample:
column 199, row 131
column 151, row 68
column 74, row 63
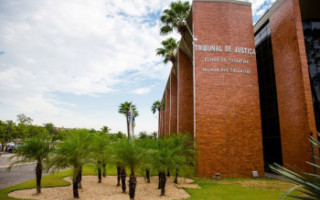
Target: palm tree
column 164, row 157
column 310, row 182
column 74, row 152
column 154, row 108
column 149, row 145
column 184, row 148
column 36, row 149
column 124, row 109
column 130, row 154
column 101, row 153
column 105, row 129
column 175, row 18
column 168, row 50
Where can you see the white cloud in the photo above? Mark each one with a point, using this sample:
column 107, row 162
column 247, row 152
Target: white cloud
column 142, row 91
column 77, row 47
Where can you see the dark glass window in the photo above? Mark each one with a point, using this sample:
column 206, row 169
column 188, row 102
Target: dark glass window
column 312, row 40
column 268, row 98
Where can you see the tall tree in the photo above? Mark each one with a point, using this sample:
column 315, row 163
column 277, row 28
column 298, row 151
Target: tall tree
column 37, row 149
column 74, row 152
column 106, row 129
column 2, row 134
column 168, row 50
column 175, row 18
column 156, row 108
column 23, row 119
column 124, row 109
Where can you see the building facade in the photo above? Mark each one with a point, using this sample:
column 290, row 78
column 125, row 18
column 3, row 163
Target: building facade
column 248, row 95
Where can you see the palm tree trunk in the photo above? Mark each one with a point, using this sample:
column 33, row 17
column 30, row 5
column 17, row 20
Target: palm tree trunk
column 99, row 171
column 163, row 180
column 80, row 179
column 158, row 123
column 104, row 173
column 123, row 179
column 76, row 182
column 128, row 124
column 159, row 186
column 132, row 185
column 38, row 176
column 148, row 175
column 119, row 175
column 176, row 177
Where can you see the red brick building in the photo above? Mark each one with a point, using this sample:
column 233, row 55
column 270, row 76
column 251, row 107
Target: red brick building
column 249, row 95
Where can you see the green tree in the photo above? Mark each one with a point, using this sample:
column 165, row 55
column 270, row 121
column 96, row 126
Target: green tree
column 168, row 50
column 8, row 131
column 74, row 152
column 37, row 149
column 130, row 154
column 101, row 154
column 309, row 182
column 23, row 119
column 50, row 128
column 106, row 129
column 2, row 134
column 156, row 106
column 164, row 158
column 183, row 146
column 175, row 18
column 124, row 109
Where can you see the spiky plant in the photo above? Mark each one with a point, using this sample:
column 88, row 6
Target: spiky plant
column 309, row 182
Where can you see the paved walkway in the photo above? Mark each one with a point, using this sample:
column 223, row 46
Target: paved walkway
column 17, row 174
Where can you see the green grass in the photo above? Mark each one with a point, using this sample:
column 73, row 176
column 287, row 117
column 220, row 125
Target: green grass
column 224, row 189
column 239, row 189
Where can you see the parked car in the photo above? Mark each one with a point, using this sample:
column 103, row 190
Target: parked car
column 12, row 146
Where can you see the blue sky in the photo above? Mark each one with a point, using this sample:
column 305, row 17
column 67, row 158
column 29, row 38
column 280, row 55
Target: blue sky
column 73, row 63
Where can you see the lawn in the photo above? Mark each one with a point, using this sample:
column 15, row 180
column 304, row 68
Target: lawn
column 239, row 189
column 224, row 189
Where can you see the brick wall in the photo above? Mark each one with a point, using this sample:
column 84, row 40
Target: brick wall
column 228, row 121
column 173, row 122
column 295, row 104
column 185, row 93
column 167, row 109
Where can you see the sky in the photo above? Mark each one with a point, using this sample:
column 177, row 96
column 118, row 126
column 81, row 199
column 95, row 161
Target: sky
column 73, row 62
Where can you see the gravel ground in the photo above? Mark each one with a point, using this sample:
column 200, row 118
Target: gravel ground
column 108, row 190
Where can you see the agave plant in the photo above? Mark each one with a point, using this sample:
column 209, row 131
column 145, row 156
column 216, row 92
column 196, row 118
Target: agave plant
column 309, row 182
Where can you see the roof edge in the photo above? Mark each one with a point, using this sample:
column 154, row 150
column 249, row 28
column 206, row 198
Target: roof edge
column 267, row 15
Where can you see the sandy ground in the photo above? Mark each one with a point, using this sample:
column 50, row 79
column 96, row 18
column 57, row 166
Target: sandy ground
column 108, row 190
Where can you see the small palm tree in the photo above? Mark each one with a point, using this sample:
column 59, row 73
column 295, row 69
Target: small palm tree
column 124, row 109
column 175, row 17
column 156, row 108
column 168, row 50
column 310, row 182
column 36, row 149
column 149, row 145
column 184, row 148
column 164, row 158
column 74, row 152
column 130, row 154
column 101, row 153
